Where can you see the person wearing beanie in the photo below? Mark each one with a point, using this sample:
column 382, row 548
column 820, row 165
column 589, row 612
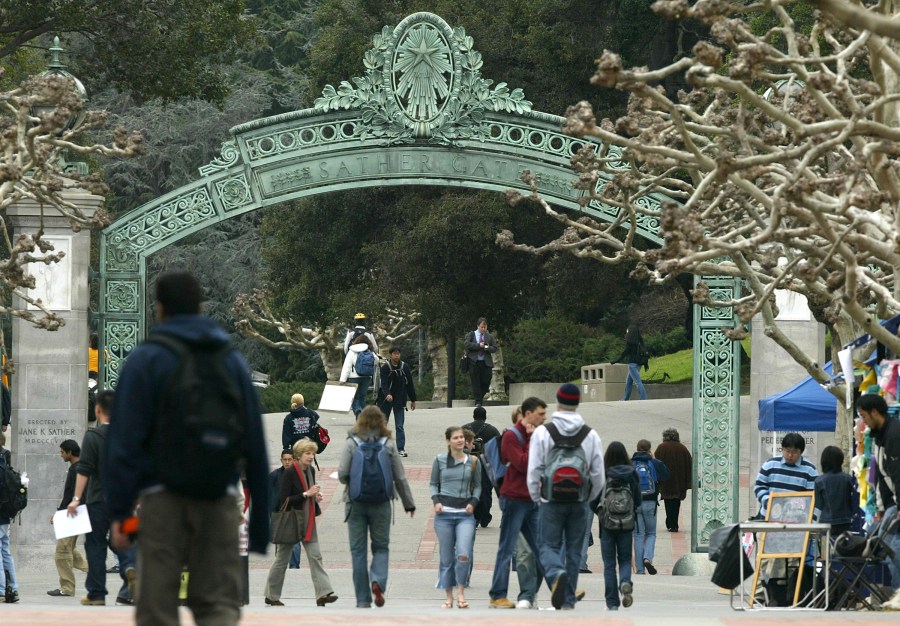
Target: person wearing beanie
column 563, row 522
column 484, row 432
column 359, row 328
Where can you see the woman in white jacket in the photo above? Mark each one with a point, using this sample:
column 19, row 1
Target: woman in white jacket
column 362, row 379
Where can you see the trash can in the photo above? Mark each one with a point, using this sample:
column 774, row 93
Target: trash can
column 603, row 382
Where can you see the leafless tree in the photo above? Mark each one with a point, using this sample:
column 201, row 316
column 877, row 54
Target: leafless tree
column 34, row 137
column 778, row 165
column 257, row 320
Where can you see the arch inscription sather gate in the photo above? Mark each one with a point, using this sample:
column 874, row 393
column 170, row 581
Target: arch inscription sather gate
column 420, row 114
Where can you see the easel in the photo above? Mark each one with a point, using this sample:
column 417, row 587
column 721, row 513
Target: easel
column 790, row 507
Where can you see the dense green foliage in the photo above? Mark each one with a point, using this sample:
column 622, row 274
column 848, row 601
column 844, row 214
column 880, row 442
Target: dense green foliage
column 151, row 48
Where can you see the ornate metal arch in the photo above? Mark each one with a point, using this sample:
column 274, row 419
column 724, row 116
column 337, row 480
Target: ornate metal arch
column 421, row 114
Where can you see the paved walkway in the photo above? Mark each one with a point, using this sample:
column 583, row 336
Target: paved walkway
column 411, row 596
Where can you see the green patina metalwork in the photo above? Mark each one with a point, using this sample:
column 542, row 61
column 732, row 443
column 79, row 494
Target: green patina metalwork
column 422, row 114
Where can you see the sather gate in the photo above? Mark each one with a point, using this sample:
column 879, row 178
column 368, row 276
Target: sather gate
column 420, row 114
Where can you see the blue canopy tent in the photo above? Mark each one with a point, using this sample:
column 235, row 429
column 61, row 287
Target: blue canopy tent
column 805, row 406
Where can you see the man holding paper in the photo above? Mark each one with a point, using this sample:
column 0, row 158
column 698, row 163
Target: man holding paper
column 67, row 555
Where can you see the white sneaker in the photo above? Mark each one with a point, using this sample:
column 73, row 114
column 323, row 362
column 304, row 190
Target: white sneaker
column 526, row 604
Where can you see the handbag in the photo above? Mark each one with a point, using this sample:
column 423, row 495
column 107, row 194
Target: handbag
column 464, row 364
column 287, row 525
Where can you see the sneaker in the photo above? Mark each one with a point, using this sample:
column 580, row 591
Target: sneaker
column 124, row 602
column 558, row 592
column 378, row 594
column 12, row 597
column 113, row 570
column 131, row 578
column 403, row 453
column 85, row 601
column 328, row 598
column 58, row 593
column 627, row 600
column 502, row 603
column 649, row 567
column 274, row 602
column 585, row 571
column 526, row 604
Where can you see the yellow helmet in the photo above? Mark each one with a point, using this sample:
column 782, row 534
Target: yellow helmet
column 359, row 316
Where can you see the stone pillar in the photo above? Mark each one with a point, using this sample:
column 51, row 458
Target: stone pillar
column 773, row 371
column 49, row 386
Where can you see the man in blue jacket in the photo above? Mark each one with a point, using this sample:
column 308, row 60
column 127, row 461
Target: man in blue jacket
column 178, row 530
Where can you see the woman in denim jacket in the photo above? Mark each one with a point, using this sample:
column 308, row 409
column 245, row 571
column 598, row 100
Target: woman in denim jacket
column 455, row 489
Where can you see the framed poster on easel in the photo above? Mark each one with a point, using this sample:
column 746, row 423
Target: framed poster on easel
column 790, row 507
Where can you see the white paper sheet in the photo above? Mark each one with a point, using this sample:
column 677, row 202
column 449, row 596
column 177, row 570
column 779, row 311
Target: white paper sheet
column 845, row 358
column 65, row 526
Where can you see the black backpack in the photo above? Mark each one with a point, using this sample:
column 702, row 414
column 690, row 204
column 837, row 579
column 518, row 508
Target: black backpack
column 198, row 440
column 13, row 494
column 92, row 403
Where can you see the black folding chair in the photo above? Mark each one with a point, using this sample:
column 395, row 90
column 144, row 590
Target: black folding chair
column 851, row 587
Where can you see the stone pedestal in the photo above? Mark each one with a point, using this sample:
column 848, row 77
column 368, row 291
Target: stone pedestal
column 49, row 386
column 773, row 371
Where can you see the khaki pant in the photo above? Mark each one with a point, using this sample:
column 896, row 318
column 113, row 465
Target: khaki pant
column 177, row 531
column 68, row 557
column 320, row 579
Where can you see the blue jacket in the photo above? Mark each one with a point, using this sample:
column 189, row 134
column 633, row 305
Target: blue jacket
column 662, row 471
column 129, row 463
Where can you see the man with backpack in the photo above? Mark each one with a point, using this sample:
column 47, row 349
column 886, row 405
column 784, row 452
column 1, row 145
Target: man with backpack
column 565, row 472
column 359, row 328
column 484, row 433
column 359, row 368
column 520, row 513
column 396, row 387
column 187, row 419
column 649, row 471
column 370, row 466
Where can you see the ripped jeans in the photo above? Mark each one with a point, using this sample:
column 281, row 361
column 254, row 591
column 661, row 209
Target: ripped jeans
column 456, row 538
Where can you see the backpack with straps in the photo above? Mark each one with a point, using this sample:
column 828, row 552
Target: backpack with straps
column 365, row 363
column 13, row 494
column 646, row 477
column 198, row 439
column 566, row 474
column 493, row 464
column 371, row 477
column 617, row 506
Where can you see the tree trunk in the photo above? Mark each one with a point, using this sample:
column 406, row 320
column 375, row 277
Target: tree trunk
column 437, row 348
column 843, row 331
column 497, row 391
column 331, row 351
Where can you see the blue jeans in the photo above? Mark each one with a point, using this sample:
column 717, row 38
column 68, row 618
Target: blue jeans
column 634, row 376
column 295, row 556
column 587, row 539
column 399, row 420
column 645, row 534
column 456, row 536
column 369, row 521
column 562, row 523
column 893, row 541
column 519, row 516
column 8, row 565
column 615, row 547
column 359, row 399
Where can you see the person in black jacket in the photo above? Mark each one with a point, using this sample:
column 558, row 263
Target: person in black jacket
column 67, row 555
column 287, row 461
column 299, row 423
column 396, row 387
column 615, row 545
column 484, row 432
column 886, row 435
column 635, row 355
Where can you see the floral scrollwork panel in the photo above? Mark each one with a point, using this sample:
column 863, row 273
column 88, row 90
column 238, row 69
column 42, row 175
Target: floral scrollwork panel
column 120, row 338
column 234, row 192
column 122, row 296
